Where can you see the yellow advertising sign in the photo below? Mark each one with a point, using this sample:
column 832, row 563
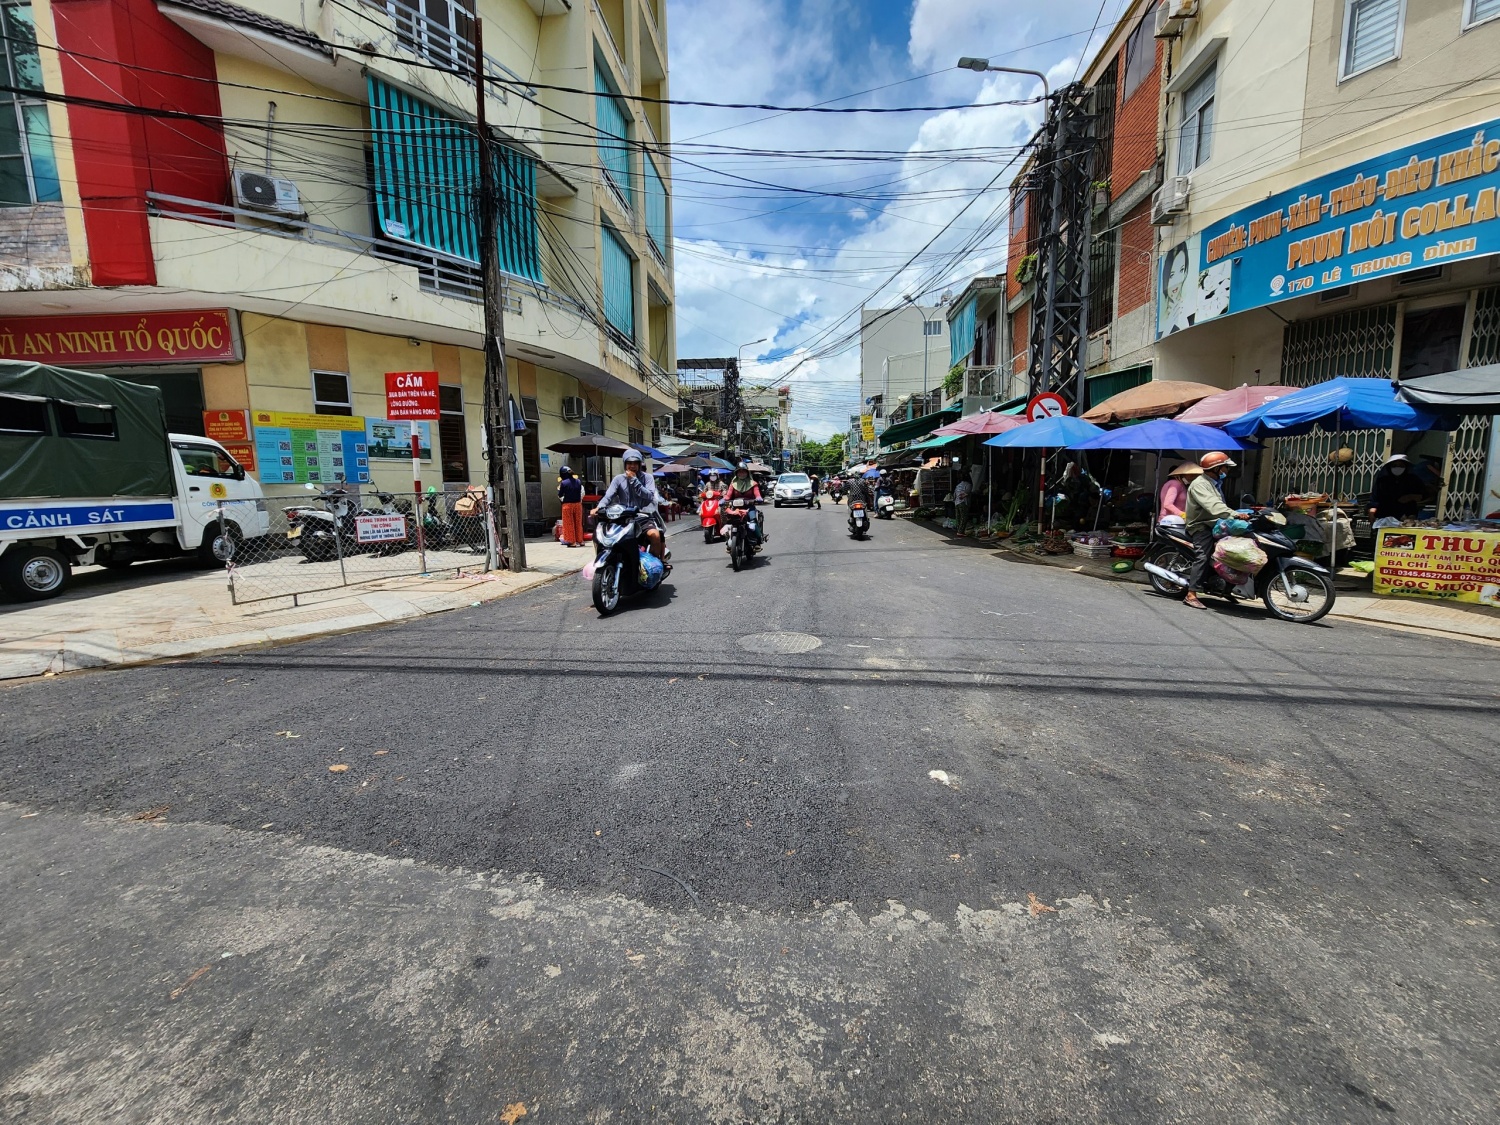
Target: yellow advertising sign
column 280, row 420
column 867, row 426
column 1420, row 562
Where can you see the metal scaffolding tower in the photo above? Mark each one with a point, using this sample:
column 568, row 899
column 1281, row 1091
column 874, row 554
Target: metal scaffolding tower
column 1060, row 194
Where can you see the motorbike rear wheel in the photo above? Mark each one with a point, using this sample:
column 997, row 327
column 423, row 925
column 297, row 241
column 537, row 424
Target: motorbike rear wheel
column 607, row 589
column 1299, row 595
column 1173, row 558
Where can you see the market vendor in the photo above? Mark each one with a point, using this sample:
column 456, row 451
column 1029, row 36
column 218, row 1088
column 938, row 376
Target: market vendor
column 1397, row 493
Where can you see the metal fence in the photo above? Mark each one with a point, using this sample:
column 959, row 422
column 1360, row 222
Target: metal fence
column 334, row 539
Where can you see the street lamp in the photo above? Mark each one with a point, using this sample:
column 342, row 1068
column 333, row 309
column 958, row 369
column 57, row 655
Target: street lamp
column 738, row 354
column 982, row 66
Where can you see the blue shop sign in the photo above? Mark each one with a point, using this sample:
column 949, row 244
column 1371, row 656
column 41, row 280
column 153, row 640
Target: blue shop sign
column 1419, row 206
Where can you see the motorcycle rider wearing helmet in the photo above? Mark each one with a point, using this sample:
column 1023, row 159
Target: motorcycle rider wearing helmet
column 634, row 488
column 742, row 486
column 1205, row 507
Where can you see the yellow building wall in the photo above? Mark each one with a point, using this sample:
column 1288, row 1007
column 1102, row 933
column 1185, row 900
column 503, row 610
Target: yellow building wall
column 281, row 355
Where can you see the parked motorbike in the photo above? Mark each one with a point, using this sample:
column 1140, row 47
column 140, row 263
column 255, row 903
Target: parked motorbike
column 708, row 516
column 859, row 519
column 437, row 533
column 1292, row 588
column 325, row 533
column 885, row 506
column 623, row 568
column 744, row 534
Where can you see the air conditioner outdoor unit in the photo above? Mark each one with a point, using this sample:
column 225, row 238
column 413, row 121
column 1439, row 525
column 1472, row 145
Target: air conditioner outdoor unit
column 572, row 407
column 1171, row 199
column 1171, row 15
column 256, row 191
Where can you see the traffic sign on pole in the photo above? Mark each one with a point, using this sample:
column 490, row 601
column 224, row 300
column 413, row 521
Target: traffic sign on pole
column 1048, row 404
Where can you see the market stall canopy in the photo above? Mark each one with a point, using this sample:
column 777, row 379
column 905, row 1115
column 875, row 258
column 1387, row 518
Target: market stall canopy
column 915, row 428
column 652, row 452
column 1474, row 390
column 676, row 467
column 760, row 467
column 1226, row 405
column 936, row 441
column 591, row 445
column 1161, row 434
column 1337, row 405
column 1062, row 432
column 702, row 461
column 987, row 424
column 1160, row 398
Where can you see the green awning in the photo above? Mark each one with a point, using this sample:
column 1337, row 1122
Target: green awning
column 919, row 427
column 934, row 442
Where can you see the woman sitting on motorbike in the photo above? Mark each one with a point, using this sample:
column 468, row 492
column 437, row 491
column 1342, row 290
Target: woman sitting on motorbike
column 742, row 486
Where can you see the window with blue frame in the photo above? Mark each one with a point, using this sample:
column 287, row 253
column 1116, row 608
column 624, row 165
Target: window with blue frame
column 619, row 284
column 614, row 136
column 961, row 325
column 427, row 183
column 656, row 209
column 28, row 168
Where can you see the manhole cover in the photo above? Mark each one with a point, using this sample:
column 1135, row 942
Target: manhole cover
column 779, row 644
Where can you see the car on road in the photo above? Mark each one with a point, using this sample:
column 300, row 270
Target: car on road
column 792, row 488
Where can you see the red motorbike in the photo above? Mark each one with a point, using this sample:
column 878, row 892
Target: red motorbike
column 708, row 517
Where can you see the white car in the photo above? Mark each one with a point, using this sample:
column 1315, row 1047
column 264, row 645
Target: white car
column 792, row 488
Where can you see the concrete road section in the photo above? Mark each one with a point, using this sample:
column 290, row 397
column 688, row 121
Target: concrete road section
column 872, row 831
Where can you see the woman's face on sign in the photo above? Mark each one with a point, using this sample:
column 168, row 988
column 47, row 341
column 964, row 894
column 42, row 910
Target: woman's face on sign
column 1176, row 277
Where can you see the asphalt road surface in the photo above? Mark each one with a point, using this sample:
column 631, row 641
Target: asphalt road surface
column 871, row 832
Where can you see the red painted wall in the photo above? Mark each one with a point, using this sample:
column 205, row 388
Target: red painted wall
column 120, row 156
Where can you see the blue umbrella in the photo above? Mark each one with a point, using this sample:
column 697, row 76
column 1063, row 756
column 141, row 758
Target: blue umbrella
column 1337, row 405
column 1163, row 433
column 1062, row 432
column 873, row 474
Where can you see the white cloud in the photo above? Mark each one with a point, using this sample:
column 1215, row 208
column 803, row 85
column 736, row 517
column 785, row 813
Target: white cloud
column 751, row 266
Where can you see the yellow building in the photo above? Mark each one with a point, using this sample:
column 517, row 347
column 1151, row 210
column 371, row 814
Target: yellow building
column 303, row 177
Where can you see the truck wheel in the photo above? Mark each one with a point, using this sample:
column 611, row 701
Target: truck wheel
column 219, row 546
column 30, row 574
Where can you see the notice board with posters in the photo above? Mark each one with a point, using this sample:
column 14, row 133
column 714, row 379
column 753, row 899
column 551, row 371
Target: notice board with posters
column 1422, row 562
column 310, row 448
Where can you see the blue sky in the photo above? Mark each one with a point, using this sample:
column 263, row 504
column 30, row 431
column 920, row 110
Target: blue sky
column 754, row 261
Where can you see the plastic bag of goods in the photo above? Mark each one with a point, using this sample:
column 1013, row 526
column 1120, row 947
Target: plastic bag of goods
column 1239, row 553
column 651, row 568
column 1230, row 575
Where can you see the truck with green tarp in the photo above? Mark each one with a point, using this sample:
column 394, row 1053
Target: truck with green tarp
column 89, row 474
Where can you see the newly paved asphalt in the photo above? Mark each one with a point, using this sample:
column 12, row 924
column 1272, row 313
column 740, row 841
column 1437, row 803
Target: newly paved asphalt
column 1008, row 845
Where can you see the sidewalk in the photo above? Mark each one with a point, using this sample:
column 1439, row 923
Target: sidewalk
column 1355, row 601
column 135, row 618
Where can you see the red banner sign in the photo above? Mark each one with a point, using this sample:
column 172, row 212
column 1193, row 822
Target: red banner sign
column 227, row 427
column 194, row 335
column 242, row 452
column 411, row 396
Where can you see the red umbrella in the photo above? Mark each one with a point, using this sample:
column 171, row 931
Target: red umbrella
column 1221, row 408
column 988, row 424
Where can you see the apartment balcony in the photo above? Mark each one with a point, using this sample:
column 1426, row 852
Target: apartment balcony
column 995, row 382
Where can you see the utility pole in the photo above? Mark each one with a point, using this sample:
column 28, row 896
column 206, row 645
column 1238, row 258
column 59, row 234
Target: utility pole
column 500, row 433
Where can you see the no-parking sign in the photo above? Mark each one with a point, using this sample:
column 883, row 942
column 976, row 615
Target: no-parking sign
column 1048, row 404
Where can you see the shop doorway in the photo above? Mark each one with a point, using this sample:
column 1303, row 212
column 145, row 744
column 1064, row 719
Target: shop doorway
column 1430, row 340
column 181, row 395
column 453, row 436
